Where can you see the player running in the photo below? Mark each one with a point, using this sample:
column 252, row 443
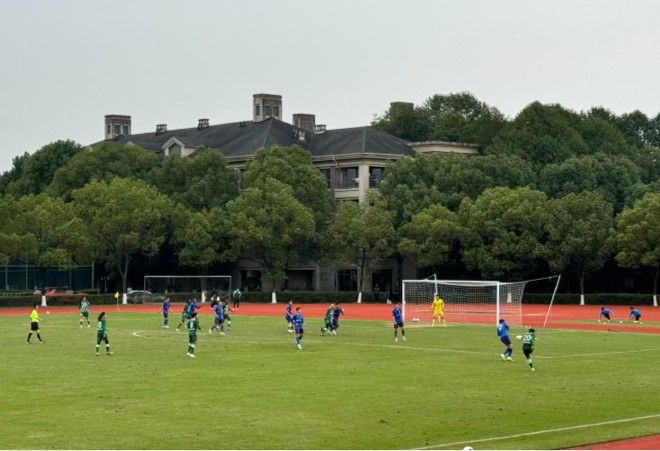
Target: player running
column 34, row 324
column 335, row 318
column 398, row 322
column 635, row 315
column 166, row 313
column 102, row 335
column 219, row 322
column 184, row 315
column 193, row 327
column 605, row 315
column 84, row 311
column 438, row 307
column 327, row 320
column 288, row 316
column 225, row 310
column 503, row 333
column 298, row 325
column 528, row 342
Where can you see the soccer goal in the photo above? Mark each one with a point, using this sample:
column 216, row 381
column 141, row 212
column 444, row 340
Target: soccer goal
column 466, row 301
column 204, row 286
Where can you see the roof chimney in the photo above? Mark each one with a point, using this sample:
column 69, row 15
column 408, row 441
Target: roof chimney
column 161, row 128
column 117, row 125
column 265, row 106
column 304, row 121
column 202, row 123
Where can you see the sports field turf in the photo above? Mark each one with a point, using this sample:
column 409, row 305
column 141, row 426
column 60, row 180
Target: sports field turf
column 443, row 388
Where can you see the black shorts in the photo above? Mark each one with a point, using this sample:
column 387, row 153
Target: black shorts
column 34, row 326
column 527, row 352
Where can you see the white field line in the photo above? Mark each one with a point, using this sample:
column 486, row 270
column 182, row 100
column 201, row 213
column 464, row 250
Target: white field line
column 405, row 346
column 544, row 431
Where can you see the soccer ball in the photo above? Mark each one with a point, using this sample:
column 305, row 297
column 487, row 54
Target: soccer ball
column 620, row 322
column 468, row 448
column 519, row 337
column 47, row 312
column 415, row 320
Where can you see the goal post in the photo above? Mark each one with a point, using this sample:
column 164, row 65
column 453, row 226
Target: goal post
column 205, row 286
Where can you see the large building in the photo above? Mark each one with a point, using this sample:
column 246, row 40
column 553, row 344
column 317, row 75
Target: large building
column 351, row 159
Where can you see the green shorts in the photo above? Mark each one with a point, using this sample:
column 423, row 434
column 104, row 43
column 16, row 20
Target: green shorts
column 192, row 338
column 101, row 336
column 85, row 314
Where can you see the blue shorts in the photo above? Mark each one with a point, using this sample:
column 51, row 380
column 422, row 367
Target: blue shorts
column 398, row 324
column 288, row 318
column 637, row 317
column 506, row 340
column 219, row 320
column 166, row 314
column 299, row 331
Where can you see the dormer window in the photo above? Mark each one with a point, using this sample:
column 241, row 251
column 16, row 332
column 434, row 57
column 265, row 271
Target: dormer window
column 173, row 150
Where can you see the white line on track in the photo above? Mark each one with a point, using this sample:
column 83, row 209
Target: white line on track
column 544, row 431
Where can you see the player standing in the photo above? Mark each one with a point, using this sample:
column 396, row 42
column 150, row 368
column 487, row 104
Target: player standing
column 298, row 325
column 398, row 322
column 327, row 320
column 288, row 316
column 193, row 327
column 335, row 318
column 528, row 342
column 166, row 313
column 184, row 315
column 102, row 335
column 438, row 307
column 605, row 315
column 34, row 323
column 219, row 323
column 84, row 311
column 635, row 315
column 503, row 333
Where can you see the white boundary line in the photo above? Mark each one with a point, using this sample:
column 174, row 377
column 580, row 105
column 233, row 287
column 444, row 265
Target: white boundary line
column 544, row 431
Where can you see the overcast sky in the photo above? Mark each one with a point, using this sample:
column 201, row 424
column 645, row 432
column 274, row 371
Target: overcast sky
column 65, row 64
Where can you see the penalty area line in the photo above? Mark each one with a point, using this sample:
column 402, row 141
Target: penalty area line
column 544, row 431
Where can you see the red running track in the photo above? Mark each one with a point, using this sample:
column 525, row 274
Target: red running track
column 646, row 442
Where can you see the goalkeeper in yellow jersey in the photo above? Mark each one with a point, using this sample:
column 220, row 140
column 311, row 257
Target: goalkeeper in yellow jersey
column 438, row 307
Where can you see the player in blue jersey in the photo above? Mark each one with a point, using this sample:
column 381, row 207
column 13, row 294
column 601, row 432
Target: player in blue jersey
column 503, row 333
column 605, row 315
column 635, row 315
column 219, row 323
column 166, row 313
column 288, row 316
column 193, row 307
column 298, row 325
column 397, row 318
column 338, row 311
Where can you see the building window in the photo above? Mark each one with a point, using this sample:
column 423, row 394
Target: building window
column 276, row 111
column 348, row 178
column 116, row 129
column 267, row 112
column 328, row 176
column 174, row 149
column 257, row 110
column 108, row 129
column 124, row 130
column 375, row 176
column 347, row 280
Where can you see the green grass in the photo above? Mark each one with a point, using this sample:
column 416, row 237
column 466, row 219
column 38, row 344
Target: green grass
column 253, row 389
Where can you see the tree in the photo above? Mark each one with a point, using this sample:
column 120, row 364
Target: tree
column 540, row 134
column 124, row 218
column 199, row 239
column 11, row 176
column 579, row 227
column 637, row 237
column 292, row 166
column 405, row 121
column 105, row 162
column 461, row 117
column 200, row 181
column 360, row 235
column 505, row 231
column 601, row 135
column 430, row 236
column 264, row 222
column 35, row 172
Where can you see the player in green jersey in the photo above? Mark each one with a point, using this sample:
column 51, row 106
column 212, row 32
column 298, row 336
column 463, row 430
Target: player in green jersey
column 102, row 335
column 184, row 315
column 227, row 309
column 327, row 320
column 528, row 342
column 84, row 311
column 193, row 327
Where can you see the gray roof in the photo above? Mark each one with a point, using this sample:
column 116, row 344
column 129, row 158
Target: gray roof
column 244, row 139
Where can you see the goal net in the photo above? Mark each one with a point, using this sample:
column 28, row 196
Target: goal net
column 203, row 286
column 466, row 301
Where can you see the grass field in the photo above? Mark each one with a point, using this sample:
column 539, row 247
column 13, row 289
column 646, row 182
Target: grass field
column 443, row 388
